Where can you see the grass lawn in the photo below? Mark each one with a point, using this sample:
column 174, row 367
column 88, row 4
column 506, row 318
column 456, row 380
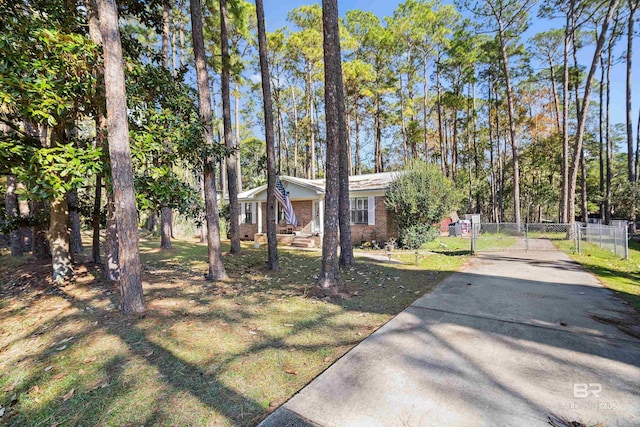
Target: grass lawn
column 222, row 353
column 623, row 276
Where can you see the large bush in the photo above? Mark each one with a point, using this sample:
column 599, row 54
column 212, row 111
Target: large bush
column 420, row 195
column 417, row 235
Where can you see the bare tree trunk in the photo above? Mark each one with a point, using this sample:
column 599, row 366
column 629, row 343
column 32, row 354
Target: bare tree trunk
column 74, row 221
column 237, row 128
column 601, row 141
column 95, row 221
column 330, row 271
column 564, row 198
column 59, row 240
column 512, row 127
column 582, row 116
column 440, row 129
column 556, row 101
column 165, row 212
column 11, row 206
column 583, row 185
column 232, row 177
column 424, row 111
column 101, row 131
column 379, row 167
column 272, row 242
column 607, row 139
column 357, row 131
column 494, row 197
column 216, row 267
column 126, row 215
column 295, row 131
column 631, row 167
column 312, row 124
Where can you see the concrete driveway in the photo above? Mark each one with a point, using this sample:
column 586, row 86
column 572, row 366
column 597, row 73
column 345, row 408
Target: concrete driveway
column 509, row 341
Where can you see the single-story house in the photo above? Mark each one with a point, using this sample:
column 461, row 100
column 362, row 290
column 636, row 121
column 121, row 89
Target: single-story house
column 370, row 220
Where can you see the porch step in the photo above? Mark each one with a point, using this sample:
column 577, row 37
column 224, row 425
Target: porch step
column 303, row 242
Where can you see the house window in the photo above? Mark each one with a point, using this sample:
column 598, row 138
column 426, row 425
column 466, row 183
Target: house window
column 359, row 210
column 248, row 214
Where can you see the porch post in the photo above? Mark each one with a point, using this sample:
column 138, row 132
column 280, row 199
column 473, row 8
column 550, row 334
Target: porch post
column 321, row 209
column 259, row 217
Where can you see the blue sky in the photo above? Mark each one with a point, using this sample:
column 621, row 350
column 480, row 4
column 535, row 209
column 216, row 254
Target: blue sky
column 276, row 17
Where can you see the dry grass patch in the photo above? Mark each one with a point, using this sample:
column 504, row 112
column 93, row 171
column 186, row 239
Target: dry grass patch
column 223, row 353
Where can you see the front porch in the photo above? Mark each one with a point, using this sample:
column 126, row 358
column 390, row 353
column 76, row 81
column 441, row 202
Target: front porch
column 300, row 240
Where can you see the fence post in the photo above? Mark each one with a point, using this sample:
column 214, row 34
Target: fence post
column 626, row 243
column 526, row 237
column 615, row 241
column 579, row 233
column 600, row 229
column 473, row 238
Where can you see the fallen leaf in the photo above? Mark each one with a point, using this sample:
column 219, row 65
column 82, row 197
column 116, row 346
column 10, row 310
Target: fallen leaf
column 35, row 389
column 68, row 395
column 90, row 359
column 327, row 359
column 61, row 348
column 253, row 333
column 59, row 376
column 292, row 372
column 81, row 371
column 288, row 325
column 149, row 354
column 359, row 333
column 48, row 368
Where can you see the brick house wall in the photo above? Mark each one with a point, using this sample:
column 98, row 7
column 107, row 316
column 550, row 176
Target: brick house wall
column 383, row 229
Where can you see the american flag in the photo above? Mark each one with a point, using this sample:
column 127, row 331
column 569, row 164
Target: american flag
column 283, row 198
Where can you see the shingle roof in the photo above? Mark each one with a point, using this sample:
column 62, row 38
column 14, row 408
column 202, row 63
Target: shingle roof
column 366, row 182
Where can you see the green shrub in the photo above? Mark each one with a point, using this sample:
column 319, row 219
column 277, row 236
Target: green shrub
column 420, row 195
column 415, row 236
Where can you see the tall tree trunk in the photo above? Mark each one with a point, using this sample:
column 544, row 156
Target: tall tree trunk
column 601, row 152
column 216, row 267
column 95, row 221
column 633, row 6
column 126, row 215
column 59, row 240
column 295, row 131
column 232, row 177
column 336, row 112
column 236, row 96
column 74, row 222
column 607, row 139
column 512, row 126
column 583, row 187
column 111, row 251
column 564, row 197
column 554, row 89
column 494, row 197
column 11, row 207
column 403, row 125
column 357, row 153
column 440, row 129
column 577, row 147
column 424, row 111
column 379, row 167
column 312, row 128
column 330, row 271
column 272, row 242
column 165, row 212
column 101, row 130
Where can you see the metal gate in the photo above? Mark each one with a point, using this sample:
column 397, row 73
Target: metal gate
column 497, row 237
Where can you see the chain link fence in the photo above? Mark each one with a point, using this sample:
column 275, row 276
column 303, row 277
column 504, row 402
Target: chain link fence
column 615, row 239
column 496, row 237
